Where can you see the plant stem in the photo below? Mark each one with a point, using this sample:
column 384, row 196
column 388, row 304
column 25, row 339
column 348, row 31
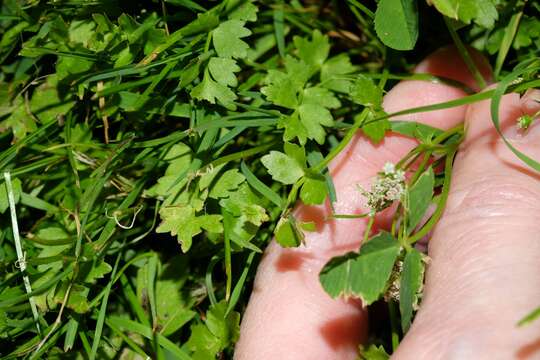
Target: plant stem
column 465, row 55
column 442, row 200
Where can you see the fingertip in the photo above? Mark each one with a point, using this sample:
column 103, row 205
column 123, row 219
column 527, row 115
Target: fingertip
column 447, row 62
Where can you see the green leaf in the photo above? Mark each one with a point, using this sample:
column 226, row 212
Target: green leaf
column 314, row 117
column 333, row 71
column 46, row 103
column 229, row 181
column 282, row 167
column 97, row 270
column 396, row 23
column 227, row 39
column 419, row 199
column 243, row 10
column 172, row 302
column 287, row 233
column 320, row 96
column 281, row 89
column 181, row 220
column 530, row 317
column 365, row 274
column 219, row 331
column 77, row 300
column 202, row 343
column 374, row 352
column 414, row 129
column 222, row 70
column 314, row 190
column 483, row 12
column 412, row 278
column 314, row 51
column 211, row 91
column 225, row 327
column 375, row 130
column 296, row 152
column 364, row 92
column 293, row 128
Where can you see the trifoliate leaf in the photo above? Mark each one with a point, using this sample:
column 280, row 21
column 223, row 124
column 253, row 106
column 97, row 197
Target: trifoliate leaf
column 227, row 39
column 222, row 70
column 314, row 117
column 181, row 220
column 229, row 181
column 282, row 167
column 314, row 51
column 314, row 190
column 320, row 96
column 396, row 23
column 365, row 274
column 364, row 92
column 419, row 199
column 376, row 129
column 211, row 91
column 287, row 233
column 333, row 70
column 412, row 278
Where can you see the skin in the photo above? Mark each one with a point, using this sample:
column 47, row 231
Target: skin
column 484, row 253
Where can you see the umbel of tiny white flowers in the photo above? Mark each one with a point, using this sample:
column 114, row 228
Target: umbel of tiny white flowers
column 388, row 187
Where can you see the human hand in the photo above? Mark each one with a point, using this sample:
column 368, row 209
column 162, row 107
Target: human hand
column 483, row 274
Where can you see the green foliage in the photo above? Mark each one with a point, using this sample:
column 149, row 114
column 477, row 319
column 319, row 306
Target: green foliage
column 156, row 147
column 364, row 274
column 396, row 23
column 412, row 278
column 420, row 195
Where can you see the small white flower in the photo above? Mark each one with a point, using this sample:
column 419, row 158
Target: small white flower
column 388, row 187
column 389, row 168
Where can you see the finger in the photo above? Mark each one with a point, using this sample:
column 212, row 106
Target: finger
column 289, row 315
column 449, row 63
column 483, row 277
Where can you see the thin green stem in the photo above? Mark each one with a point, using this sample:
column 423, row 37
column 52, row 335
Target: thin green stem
column 368, row 228
column 344, row 142
column 480, row 81
column 442, row 199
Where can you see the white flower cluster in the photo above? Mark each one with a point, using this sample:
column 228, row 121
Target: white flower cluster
column 387, row 188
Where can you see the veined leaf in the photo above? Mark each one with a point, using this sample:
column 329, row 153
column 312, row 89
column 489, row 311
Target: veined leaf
column 364, row 274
